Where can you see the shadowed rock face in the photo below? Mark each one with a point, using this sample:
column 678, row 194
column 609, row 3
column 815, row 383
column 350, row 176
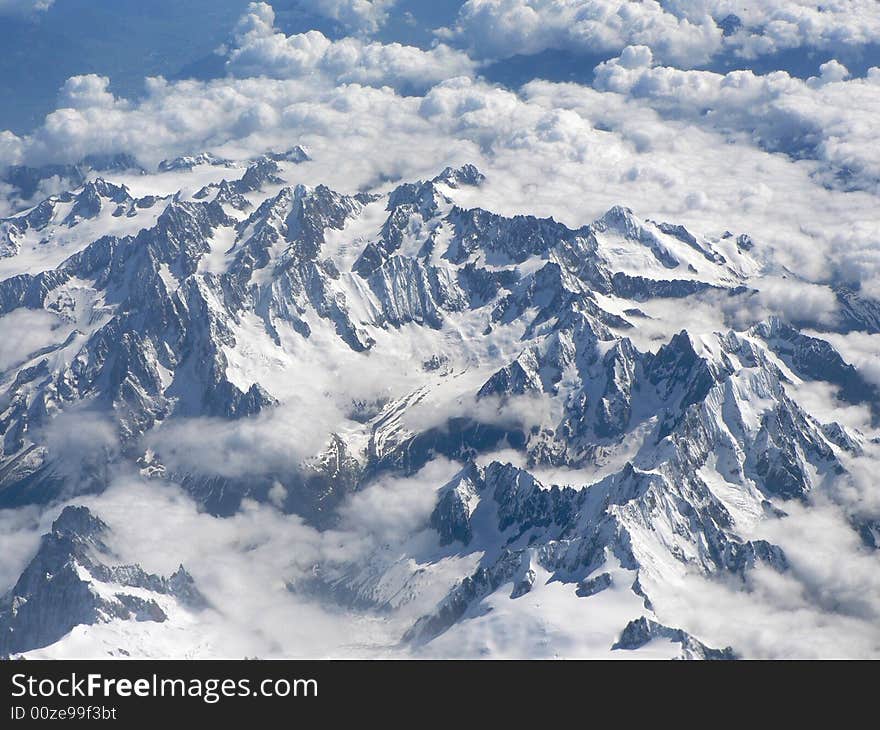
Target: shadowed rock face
column 595, row 585
column 72, row 581
column 641, row 631
column 26, row 180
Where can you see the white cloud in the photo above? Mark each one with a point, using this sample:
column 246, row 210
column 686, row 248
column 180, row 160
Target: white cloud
column 24, row 331
column 599, row 149
column 263, row 51
column 251, row 566
column 271, row 443
column 363, row 15
column 87, row 92
column 552, row 149
column 83, row 446
column 392, row 508
column 502, row 28
column 798, row 300
column 859, row 349
column 827, row 117
column 243, row 565
column 773, row 26
column 683, row 32
column 20, row 531
column 675, row 145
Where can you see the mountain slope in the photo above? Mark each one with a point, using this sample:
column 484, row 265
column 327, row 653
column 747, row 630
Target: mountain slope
column 267, row 342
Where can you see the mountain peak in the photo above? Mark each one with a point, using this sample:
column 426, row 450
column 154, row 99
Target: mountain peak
column 465, row 175
column 78, row 522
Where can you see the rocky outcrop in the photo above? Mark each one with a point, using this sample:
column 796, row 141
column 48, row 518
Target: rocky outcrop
column 72, row 580
column 643, row 631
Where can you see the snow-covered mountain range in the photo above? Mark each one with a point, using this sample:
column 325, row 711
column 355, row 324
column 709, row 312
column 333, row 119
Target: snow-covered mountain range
column 491, row 435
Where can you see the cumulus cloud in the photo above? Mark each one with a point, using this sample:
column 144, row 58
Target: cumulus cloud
column 518, row 414
column 244, row 565
column 255, row 567
column 644, row 157
column 687, row 146
column 87, row 92
column 390, row 509
column 361, row 15
column 683, row 32
column 263, row 51
column 761, row 28
column 826, row 117
column 83, row 447
column 825, row 605
column 552, row 149
column 502, row 28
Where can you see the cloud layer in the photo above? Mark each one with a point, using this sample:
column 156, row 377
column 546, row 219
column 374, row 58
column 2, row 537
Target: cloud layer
column 503, row 28
column 828, row 117
column 669, row 143
column 684, row 32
